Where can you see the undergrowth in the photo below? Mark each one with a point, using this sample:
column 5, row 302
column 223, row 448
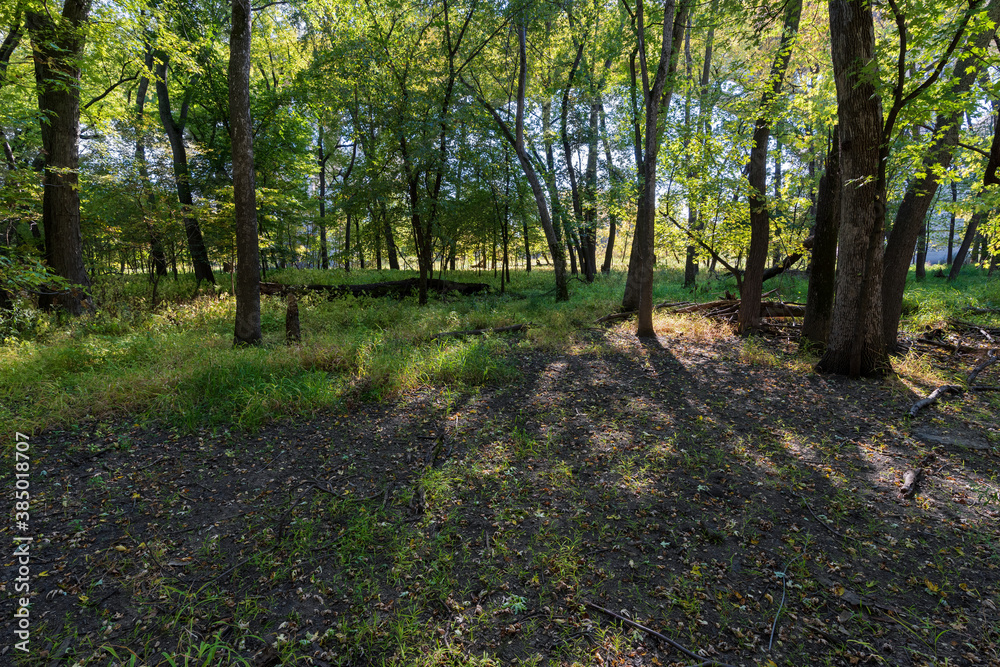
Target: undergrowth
column 176, row 361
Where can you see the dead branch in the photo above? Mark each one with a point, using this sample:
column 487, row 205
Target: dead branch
column 394, row 288
column 982, row 311
column 990, row 360
column 910, row 480
column 934, row 396
column 479, row 332
column 954, row 348
column 654, row 633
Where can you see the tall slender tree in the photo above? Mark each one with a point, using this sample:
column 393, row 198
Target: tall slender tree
column 248, row 330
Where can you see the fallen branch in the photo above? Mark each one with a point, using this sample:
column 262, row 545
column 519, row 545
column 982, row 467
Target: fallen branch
column 982, row 311
column 479, row 332
column 910, row 480
column 990, row 360
column 948, row 346
column 394, row 288
column 654, row 633
column 934, row 396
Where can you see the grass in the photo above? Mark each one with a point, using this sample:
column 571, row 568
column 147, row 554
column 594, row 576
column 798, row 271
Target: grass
column 176, row 362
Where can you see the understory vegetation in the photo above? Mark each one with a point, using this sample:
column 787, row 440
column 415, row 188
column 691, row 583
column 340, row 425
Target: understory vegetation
column 372, row 496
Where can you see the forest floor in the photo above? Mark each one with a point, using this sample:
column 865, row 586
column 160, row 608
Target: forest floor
column 714, row 490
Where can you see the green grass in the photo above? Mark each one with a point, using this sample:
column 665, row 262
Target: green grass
column 176, row 362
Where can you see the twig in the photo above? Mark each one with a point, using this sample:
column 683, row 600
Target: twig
column 774, row 626
column 824, row 523
column 656, row 634
column 934, row 396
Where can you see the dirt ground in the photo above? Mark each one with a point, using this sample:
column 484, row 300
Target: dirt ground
column 723, row 496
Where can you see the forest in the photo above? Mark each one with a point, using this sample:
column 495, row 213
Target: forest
column 549, row 332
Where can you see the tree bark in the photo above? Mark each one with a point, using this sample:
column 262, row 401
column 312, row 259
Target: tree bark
column 917, row 200
column 920, row 271
column 321, row 158
column 823, row 269
column 57, row 43
column 951, row 225
column 248, row 330
column 589, row 229
column 856, row 343
column 760, row 222
column 182, row 180
column 656, row 101
column 638, row 293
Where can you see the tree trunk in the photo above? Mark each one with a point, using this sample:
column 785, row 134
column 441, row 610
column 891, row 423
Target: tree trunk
column 516, row 139
column 951, row 225
column 963, row 250
column 857, row 344
column 989, row 178
column 322, row 157
column 576, row 223
column 157, row 256
column 920, row 272
column 657, row 102
column 589, row 229
column 823, row 268
column 182, row 179
column 248, row 330
column 57, row 43
column 390, row 242
column 760, row 223
column 616, row 179
column 917, row 200
column 638, row 294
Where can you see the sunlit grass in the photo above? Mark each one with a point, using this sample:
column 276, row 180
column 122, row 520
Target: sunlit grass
column 176, row 362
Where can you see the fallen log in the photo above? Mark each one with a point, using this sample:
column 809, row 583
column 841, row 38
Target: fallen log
column 479, row 332
column 394, row 288
column 910, row 480
column 934, row 396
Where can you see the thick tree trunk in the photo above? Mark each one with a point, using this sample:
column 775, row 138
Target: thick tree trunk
column 760, row 221
column 182, row 179
column 57, row 43
column 823, row 268
column 248, row 330
column 920, row 192
column 857, row 344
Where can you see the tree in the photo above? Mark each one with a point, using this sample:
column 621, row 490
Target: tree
column 174, row 128
column 760, row 221
column 856, row 344
column 822, row 269
column 244, row 194
column 656, row 100
column 912, row 213
column 516, row 140
column 57, row 42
